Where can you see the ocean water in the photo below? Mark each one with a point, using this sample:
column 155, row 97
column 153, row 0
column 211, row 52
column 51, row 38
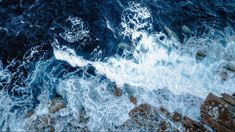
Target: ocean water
column 165, row 53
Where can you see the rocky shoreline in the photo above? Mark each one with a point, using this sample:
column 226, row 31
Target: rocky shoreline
column 217, row 114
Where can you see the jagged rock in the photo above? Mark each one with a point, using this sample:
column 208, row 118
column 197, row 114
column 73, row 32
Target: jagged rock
column 133, row 100
column 29, row 113
column 142, row 109
column 163, row 126
column 56, row 104
column 52, row 129
column 117, row 91
column 148, row 118
column 230, row 67
column 229, row 99
column 217, row 126
column 193, row 126
column 177, row 117
column 218, row 113
column 164, row 111
column 200, row 55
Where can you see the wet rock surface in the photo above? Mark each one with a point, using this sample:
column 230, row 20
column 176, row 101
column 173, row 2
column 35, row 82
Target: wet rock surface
column 148, row 118
column 219, row 112
column 49, row 121
column 193, row 126
column 56, row 104
column 133, row 100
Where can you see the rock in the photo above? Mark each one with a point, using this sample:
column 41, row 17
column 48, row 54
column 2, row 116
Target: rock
column 217, row 126
column 230, row 67
column 216, row 110
column 56, row 104
column 192, row 126
column 229, row 99
column 200, row 55
column 224, row 75
column 142, row 109
column 163, row 126
column 186, row 29
column 171, row 33
column 165, row 112
column 83, row 118
column 52, row 129
column 117, row 91
column 177, row 117
column 124, row 46
column 133, row 100
column 149, row 118
column 29, row 113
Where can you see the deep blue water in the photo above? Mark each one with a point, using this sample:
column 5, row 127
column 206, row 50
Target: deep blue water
column 29, row 27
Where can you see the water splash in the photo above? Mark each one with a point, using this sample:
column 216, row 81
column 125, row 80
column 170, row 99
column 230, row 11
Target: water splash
column 158, row 70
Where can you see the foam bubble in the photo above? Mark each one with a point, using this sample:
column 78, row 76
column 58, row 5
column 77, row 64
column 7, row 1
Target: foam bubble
column 76, row 32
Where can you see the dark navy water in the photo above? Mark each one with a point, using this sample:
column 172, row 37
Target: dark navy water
column 30, row 28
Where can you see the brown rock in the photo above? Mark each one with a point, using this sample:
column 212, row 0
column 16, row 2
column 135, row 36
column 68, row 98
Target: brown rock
column 212, row 123
column 163, row 126
column 165, row 112
column 52, row 129
column 176, row 117
column 83, row 118
column 29, row 114
column 140, row 109
column 56, row 104
column 133, row 100
column 219, row 111
column 192, row 126
column 117, row 91
column 229, row 99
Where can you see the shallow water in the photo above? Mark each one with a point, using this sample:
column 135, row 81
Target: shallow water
column 165, row 53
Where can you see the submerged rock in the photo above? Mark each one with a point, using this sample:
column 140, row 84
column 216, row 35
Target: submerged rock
column 171, row 33
column 124, row 46
column 200, row 55
column 186, row 29
column 177, row 117
column 219, row 113
column 193, row 126
column 224, row 75
column 117, row 91
column 56, row 104
column 230, row 67
column 148, row 118
column 133, row 100
column 29, row 113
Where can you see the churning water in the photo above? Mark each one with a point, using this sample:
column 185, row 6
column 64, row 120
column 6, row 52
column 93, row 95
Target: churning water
column 169, row 54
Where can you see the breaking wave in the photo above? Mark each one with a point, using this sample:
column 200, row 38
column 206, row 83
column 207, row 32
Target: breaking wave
column 155, row 66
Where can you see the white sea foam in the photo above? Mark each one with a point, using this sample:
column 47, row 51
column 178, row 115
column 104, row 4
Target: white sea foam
column 76, row 32
column 159, row 73
column 164, row 64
